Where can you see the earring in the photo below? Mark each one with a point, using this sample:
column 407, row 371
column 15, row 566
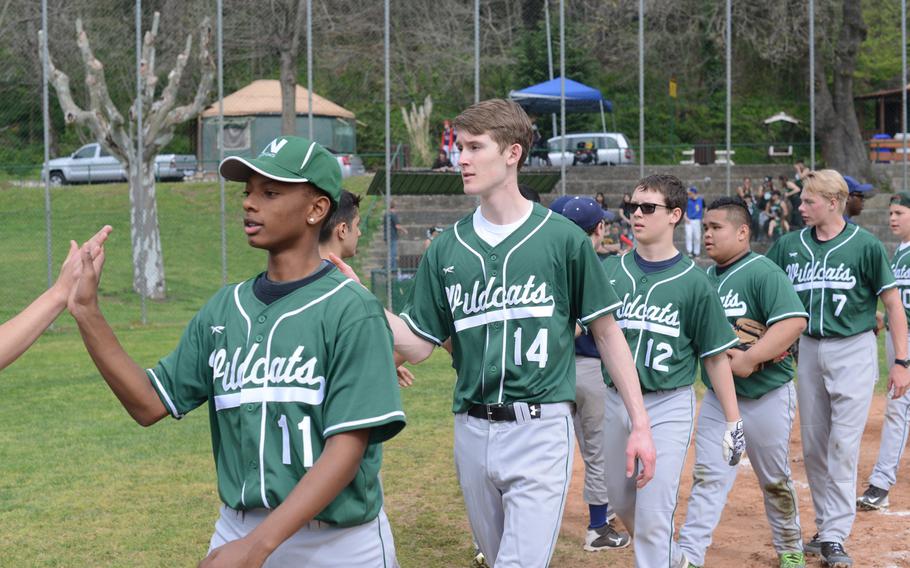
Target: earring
column 312, row 220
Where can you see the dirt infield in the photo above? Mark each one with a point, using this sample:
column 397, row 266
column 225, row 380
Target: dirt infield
column 743, row 539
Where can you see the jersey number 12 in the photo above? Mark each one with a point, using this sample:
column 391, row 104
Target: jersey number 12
column 303, row 426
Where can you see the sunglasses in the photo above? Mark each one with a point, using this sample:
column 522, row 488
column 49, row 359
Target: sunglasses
column 646, row 208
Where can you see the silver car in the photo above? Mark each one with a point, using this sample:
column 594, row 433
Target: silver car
column 591, row 148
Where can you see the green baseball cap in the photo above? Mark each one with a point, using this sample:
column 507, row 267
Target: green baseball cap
column 901, row 198
column 289, row 159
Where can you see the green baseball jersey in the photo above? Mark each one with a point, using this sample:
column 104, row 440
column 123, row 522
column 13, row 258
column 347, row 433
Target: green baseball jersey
column 280, row 379
column 671, row 319
column 510, row 309
column 754, row 287
column 900, row 266
column 838, row 281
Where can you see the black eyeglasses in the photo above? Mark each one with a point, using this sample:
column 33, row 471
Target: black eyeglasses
column 646, row 208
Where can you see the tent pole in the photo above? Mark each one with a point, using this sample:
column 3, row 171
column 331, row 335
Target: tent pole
column 546, row 14
column 388, row 164
column 641, row 88
column 603, row 120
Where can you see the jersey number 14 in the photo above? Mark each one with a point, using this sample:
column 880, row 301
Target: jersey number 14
column 537, row 352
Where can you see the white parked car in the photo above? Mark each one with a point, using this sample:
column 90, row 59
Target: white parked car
column 350, row 164
column 591, row 148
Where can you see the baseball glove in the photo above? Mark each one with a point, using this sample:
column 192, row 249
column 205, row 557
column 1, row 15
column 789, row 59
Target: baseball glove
column 749, row 332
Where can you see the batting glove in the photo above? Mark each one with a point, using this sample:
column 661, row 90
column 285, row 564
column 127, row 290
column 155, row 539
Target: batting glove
column 734, row 442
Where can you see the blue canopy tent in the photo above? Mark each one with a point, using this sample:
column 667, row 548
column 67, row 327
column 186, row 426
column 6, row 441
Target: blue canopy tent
column 544, row 98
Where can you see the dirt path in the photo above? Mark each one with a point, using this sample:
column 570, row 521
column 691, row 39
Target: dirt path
column 743, row 539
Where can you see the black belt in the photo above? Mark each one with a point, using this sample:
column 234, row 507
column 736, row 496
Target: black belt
column 501, row 412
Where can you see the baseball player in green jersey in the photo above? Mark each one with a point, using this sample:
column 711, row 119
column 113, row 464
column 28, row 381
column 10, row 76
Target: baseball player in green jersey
column 18, row 334
column 297, row 369
column 839, row 271
column 506, row 284
column 749, row 286
column 897, row 413
column 590, row 392
column 672, row 319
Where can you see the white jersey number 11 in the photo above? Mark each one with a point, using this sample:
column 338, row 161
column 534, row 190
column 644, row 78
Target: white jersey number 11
column 303, row 426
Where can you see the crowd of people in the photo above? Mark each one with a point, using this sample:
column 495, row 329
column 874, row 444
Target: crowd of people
column 297, row 364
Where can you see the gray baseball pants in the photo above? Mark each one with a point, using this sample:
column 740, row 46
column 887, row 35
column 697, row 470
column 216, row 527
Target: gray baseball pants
column 317, row 544
column 767, row 423
column 590, row 393
column 648, row 512
column 894, row 435
column 515, row 478
column 834, row 388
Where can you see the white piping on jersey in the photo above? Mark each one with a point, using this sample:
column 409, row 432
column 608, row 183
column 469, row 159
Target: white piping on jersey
column 242, row 493
column 486, row 341
column 521, row 312
column 246, row 318
column 167, row 399
column 723, row 347
column 648, row 295
column 735, row 270
column 505, row 325
column 271, row 394
column 268, row 378
column 419, row 331
column 649, row 326
column 595, row 315
column 802, row 239
column 821, row 329
column 787, row 316
column 362, row 422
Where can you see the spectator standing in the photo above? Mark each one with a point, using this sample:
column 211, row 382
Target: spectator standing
column 695, row 210
column 390, row 227
column 442, row 162
column 745, row 189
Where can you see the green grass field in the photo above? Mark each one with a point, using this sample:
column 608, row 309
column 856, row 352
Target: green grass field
column 82, row 485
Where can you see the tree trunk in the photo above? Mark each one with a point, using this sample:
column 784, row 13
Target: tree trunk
column 836, row 124
column 148, row 262
column 288, row 93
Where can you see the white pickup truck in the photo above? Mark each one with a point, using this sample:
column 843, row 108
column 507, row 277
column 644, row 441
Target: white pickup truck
column 93, row 164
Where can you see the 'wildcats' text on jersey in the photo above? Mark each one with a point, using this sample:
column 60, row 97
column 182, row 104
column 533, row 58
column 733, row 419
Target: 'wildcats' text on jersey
column 510, row 308
column 754, row 287
column 497, row 302
column 280, row 379
column 671, row 319
column 838, row 281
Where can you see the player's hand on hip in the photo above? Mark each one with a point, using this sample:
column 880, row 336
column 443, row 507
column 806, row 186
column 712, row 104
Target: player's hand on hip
column 235, row 554
column 641, row 447
column 405, row 376
column 740, row 363
column 898, row 381
column 734, row 442
column 344, row 267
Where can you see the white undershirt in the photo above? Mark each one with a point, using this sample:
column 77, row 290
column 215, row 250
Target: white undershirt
column 494, row 234
column 903, row 245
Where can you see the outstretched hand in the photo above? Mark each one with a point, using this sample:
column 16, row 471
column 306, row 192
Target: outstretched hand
column 405, row 376
column 72, row 266
column 84, row 292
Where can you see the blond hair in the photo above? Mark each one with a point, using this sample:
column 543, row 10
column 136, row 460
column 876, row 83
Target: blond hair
column 828, row 184
column 504, row 121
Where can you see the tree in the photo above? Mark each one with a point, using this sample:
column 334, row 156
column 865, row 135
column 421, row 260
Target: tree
column 836, row 123
column 119, row 136
column 287, row 18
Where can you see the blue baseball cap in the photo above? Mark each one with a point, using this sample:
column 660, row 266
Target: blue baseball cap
column 854, row 186
column 584, row 212
column 693, row 189
column 559, row 203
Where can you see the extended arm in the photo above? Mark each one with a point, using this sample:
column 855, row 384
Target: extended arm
column 125, row 378
column 898, row 376
column 718, row 369
column 331, row 473
column 776, row 340
column 19, row 333
column 616, row 357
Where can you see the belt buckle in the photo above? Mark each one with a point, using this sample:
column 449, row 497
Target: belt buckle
column 489, row 408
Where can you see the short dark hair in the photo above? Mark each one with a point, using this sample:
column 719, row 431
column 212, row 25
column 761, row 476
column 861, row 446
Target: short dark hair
column 348, row 206
column 735, row 208
column 671, row 187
